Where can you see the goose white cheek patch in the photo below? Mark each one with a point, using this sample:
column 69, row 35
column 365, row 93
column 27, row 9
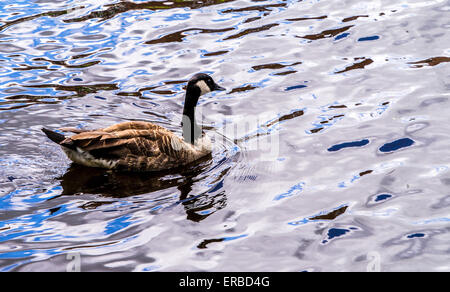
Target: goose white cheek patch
column 204, row 88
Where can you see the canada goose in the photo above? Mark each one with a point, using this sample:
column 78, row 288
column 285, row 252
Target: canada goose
column 142, row 146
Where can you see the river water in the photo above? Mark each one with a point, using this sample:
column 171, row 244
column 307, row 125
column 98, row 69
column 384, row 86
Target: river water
column 331, row 141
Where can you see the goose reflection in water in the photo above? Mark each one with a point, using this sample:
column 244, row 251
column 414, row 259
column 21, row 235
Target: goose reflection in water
column 86, row 180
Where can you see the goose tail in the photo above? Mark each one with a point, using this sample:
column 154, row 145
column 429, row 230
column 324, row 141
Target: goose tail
column 55, row 137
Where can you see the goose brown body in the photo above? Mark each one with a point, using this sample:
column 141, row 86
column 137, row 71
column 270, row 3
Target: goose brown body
column 133, row 146
column 138, row 145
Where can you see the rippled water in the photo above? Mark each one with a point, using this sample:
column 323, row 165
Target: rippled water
column 334, row 153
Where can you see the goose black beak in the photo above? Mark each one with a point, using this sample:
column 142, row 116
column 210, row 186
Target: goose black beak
column 218, row 88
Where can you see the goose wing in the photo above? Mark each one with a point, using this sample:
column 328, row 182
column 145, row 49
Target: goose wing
column 134, row 146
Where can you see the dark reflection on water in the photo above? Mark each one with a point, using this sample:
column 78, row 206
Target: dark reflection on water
column 178, row 36
column 327, row 33
column 330, row 150
column 29, row 18
column 122, row 7
column 83, row 180
column 22, row 100
column 79, row 179
column 430, row 62
column 357, row 65
column 115, row 9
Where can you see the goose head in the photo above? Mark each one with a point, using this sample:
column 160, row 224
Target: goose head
column 198, row 85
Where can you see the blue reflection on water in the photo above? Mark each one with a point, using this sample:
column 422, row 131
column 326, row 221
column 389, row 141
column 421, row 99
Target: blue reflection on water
column 396, row 145
column 382, row 197
column 5, row 201
column 118, row 224
column 178, row 16
column 334, row 233
column 416, row 235
column 295, row 87
column 37, row 198
column 29, row 224
column 369, row 38
column 26, row 253
column 234, row 237
column 314, row 218
column 341, row 36
column 294, row 190
column 348, row 144
column 217, row 187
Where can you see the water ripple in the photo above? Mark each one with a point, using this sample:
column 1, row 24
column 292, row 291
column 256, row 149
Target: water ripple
column 331, row 135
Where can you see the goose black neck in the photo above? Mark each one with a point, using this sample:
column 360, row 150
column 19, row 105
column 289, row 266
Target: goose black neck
column 191, row 131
